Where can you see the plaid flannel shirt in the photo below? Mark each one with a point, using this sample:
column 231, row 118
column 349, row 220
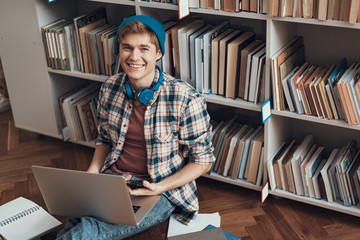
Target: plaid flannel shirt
column 177, row 131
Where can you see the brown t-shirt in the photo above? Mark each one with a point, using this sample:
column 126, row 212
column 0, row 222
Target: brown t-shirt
column 133, row 157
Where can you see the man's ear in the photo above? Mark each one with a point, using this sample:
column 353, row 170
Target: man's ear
column 158, row 55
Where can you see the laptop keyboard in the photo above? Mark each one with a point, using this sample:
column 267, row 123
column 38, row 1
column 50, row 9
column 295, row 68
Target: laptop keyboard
column 135, row 208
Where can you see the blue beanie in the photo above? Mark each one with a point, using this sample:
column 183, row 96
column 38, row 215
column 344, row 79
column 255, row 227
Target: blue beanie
column 155, row 25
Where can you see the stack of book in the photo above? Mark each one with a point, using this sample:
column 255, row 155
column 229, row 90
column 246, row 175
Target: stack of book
column 238, row 149
column 303, row 169
column 85, row 43
column 253, row 6
column 216, row 59
column 347, row 11
column 305, row 88
column 78, row 109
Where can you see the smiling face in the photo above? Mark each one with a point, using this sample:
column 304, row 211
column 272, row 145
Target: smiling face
column 138, row 57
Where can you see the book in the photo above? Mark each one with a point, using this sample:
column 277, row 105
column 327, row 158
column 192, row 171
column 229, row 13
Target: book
column 280, row 164
column 183, row 43
column 233, row 57
column 354, row 11
column 332, row 85
column 262, row 171
column 351, row 179
column 252, row 82
column 323, row 9
column 326, row 174
column 243, row 66
column 199, row 59
column 232, row 149
column 195, row 56
column 259, row 96
column 87, row 121
column 286, row 8
column 82, row 21
column 245, row 152
column 71, row 114
column 207, row 39
column 289, row 175
column 321, row 93
column 270, row 165
column 46, row 39
column 311, row 167
column 296, row 160
column 341, row 167
column 301, row 89
column 312, row 81
column 110, row 56
column 199, row 222
column 23, row 219
column 175, row 43
column 303, row 165
column 221, row 158
column 219, row 143
column 294, row 89
column 223, row 46
column 274, row 8
column 239, row 153
column 295, row 59
column 215, row 59
column 286, row 88
column 229, row 236
column 167, row 59
column 212, row 233
column 345, row 98
column 284, row 57
column 308, row 8
column 229, row 5
column 317, row 181
column 255, row 154
column 330, row 10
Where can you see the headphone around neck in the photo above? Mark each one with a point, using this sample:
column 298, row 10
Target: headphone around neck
column 145, row 94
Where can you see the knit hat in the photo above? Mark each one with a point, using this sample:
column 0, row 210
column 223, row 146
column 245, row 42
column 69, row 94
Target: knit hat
column 155, row 25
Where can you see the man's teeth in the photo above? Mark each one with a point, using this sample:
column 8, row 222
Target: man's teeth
column 135, row 65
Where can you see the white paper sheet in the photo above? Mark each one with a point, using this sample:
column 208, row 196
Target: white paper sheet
column 201, row 221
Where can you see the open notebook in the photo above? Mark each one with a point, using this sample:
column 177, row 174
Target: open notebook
column 24, row 219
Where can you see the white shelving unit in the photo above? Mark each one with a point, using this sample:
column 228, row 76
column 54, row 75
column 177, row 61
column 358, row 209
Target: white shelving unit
column 34, row 88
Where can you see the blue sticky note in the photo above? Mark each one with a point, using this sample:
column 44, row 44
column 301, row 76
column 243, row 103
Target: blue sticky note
column 266, row 110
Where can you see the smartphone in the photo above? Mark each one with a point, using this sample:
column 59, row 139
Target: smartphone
column 135, row 184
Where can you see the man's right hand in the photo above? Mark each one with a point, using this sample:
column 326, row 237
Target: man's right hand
column 93, row 170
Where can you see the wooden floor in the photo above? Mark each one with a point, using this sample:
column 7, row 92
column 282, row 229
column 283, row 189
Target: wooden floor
column 240, row 209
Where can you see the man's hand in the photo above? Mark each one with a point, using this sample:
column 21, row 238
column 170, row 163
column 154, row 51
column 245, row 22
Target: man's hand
column 147, row 189
column 93, row 170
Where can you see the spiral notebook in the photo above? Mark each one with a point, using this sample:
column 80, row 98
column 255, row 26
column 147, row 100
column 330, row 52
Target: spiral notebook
column 24, row 219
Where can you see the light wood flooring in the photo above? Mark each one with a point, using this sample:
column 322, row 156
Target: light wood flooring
column 240, row 209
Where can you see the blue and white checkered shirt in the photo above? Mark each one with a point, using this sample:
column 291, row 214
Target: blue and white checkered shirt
column 177, row 130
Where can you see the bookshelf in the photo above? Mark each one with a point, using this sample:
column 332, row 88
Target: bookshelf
column 34, row 88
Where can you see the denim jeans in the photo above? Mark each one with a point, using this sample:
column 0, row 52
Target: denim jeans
column 92, row 228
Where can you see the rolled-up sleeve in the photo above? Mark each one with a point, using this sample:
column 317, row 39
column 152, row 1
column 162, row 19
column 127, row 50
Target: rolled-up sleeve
column 102, row 117
column 195, row 131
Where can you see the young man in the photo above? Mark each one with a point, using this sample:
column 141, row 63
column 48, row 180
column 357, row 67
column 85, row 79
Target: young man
column 152, row 127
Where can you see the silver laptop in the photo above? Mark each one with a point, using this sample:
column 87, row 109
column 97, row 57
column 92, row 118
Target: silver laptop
column 77, row 194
